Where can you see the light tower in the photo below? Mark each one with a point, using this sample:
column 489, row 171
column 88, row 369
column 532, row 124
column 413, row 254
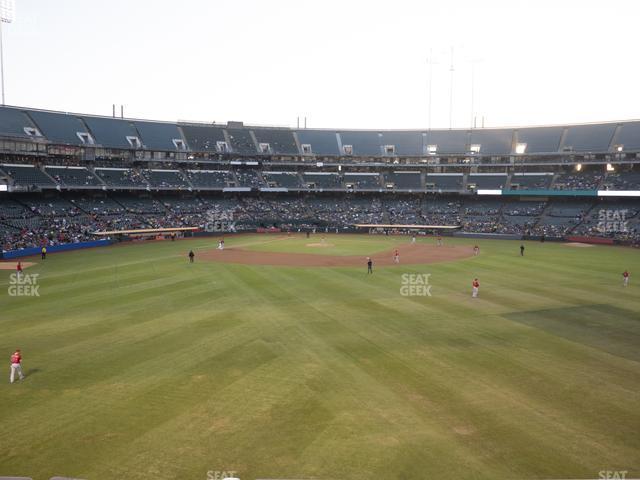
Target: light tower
column 7, row 13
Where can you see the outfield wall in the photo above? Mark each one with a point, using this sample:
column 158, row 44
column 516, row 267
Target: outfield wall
column 499, row 236
column 27, row 252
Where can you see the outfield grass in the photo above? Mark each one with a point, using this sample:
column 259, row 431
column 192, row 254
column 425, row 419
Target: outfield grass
column 142, row 366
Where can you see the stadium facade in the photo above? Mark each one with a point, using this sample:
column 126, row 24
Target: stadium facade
column 68, row 176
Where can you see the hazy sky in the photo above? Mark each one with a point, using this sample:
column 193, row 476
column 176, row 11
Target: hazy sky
column 357, row 64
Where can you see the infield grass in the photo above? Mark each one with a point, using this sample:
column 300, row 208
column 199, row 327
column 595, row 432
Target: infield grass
column 140, row 365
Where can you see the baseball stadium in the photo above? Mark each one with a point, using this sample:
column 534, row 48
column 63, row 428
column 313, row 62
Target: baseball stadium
column 198, row 300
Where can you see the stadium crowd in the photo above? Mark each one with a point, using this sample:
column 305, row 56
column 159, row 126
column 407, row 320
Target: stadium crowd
column 32, row 220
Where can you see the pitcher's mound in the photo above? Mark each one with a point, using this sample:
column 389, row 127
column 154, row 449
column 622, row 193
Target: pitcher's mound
column 578, row 245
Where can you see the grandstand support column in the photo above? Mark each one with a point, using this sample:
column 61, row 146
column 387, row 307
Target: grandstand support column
column 451, row 70
column 227, row 139
column 256, row 144
column 295, row 139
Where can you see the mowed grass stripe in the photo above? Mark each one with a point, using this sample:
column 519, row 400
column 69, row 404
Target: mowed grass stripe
column 326, row 373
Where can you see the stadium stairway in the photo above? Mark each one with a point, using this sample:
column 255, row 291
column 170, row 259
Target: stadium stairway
column 43, row 170
column 92, row 169
column 507, row 185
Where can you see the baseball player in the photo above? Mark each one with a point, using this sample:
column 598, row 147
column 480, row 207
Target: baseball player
column 396, row 256
column 476, row 250
column 369, row 265
column 476, row 287
column 19, row 269
column 16, row 366
column 191, row 256
column 625, row 278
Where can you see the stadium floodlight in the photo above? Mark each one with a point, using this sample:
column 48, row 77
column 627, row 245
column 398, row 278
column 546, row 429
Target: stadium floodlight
column 521, row 148
column 7, row 10
column 578, row 167
column 610, row 168
column 7, row 15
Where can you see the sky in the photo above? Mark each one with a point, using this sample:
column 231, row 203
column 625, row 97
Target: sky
column 341, row 64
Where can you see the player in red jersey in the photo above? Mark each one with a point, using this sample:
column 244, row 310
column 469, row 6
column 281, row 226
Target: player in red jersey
column 19, row 269
column 625, row 278
column 396, row 256
column 476, row 288
column 16, row 366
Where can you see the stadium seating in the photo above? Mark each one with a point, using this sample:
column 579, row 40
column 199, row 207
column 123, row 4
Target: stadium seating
column 60, row 128
column 159, row 136
column 249, row 179
column 209, row 179
column 409, row 143
column 112, row 132
column 279, row 141
column 404, row 180
column 282, row 179
column 362, row 143
column 75, row 177
column 447, row 141
column 548, row 177
column 321, row 142
column 13, row 123
column 166, row 179
column 492, row 142
column 589, row 138
column 241, row 141
column 203, row 138
column 531, row 181
column 405, row 211
column 622, row 181
column 362, row 181
column 323, row 180
column 487, row 181
column 578, row 181
column 28, row 176
column 540, row 139
column 122, row 177
column 444, row 182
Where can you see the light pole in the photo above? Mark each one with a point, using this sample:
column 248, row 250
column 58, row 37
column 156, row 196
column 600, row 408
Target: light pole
column 7, row 12
column 451, row 92
column 430, row 61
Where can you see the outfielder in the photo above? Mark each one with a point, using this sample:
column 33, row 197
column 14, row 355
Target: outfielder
column 16, row 366
column 476, row 287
